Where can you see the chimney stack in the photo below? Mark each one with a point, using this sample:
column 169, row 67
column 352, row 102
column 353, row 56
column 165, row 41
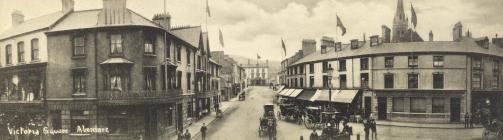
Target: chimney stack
column 67, row 5
column 17, row 17
column 431, row 35
column 308, row 46
column 364, row 38
column 457, row 32
column 386, row 34
column 114, row 12
column 163, row 20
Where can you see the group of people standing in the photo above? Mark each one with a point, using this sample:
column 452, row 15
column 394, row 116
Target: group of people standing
column 370, row 125
column 188, row 136
column 329, row 131
column 469, row 120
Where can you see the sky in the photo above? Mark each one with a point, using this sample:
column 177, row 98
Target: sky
column 252, row 27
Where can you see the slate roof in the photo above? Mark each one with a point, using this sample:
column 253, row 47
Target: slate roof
column 190, row 34
column 89, row 19
column 466, row 45
column 33, row 24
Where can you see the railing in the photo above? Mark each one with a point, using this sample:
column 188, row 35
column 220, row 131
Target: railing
column 20, row 98
column 137, row 95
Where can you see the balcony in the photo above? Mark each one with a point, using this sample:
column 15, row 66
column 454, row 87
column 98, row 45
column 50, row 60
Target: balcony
column 117, row 97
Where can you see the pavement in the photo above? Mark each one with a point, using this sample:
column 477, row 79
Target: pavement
column 241, row 122
column 425, row 125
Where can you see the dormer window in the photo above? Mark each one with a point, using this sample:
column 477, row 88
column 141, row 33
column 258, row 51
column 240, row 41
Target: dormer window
column 374, row 40
column 354, row 44
column 323, row 49
column 338, row 46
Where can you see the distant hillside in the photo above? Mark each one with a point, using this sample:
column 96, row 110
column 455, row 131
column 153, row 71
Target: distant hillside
column 274, row 66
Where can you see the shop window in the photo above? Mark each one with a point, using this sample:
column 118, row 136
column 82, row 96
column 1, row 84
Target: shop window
column 116, row 122
column 417, row 105
column 179, row 80
column 79, row 118
column 398, row 104
column 301, row 82
column 189, row 76
column 437, row 105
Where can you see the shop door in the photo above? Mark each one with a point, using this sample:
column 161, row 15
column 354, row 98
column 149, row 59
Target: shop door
column 455, row 109
column 368, row 106
column 150, row 124
column 381, row 108
column 179, row 118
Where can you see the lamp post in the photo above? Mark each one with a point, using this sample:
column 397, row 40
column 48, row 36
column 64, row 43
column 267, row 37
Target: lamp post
column 329, row 78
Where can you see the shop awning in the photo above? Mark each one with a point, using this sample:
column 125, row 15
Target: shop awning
column 345, row 96
column 280, row 89
column 284, row 91
column 287, row 94
column 295, row 93
column 306, row 95
column 323, row 95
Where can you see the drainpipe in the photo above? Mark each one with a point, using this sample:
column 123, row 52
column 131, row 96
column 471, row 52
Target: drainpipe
column 96, row 65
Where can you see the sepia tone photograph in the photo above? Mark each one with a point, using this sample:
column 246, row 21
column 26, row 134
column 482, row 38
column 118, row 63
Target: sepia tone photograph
column 251, row 70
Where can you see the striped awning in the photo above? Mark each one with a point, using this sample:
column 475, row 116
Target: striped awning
column 345, row 96
column 287, row 94
column 284, row 91
column 323, row 95
column 295, row 93
column 306, row 95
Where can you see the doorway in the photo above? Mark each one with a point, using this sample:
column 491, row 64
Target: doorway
column 455, row 109
column 368, row 106
column 150, row 124
column 179, row 117
column 382, row 108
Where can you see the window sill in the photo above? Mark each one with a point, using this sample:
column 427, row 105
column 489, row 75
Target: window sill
column 150, row 55
column 78, row 57
column 80, row 94
column 35, row 61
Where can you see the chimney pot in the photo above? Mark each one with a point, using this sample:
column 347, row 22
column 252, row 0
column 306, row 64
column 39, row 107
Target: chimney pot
column 17, row 17
column 67, row 5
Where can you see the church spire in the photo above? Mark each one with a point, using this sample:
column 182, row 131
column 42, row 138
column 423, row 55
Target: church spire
column 400, row 14
column 400, row 23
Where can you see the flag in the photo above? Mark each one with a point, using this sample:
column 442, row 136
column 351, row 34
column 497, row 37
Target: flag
column 258, row 56
column 208, row 9
column 339, row 24
column 221, row 37
column 283, row 45
column 413, row 16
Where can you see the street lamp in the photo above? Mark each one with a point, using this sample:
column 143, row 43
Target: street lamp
column 329, row 77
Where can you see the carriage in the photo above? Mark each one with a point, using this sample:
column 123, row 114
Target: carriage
column 268, row 122
column 289, row 112
column 315, row 117
column 493, row 124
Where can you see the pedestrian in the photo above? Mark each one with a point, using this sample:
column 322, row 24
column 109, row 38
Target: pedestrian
column 314, row 135
column 467, row 119
column 470, row 118
column 373, row 127
column 180, row 135
column 366, row 128
column 187, row 135
column 337, row 122
column 203, row 131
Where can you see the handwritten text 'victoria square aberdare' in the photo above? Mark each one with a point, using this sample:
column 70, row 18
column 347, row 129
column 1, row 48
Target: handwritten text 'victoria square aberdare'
column 49, row 131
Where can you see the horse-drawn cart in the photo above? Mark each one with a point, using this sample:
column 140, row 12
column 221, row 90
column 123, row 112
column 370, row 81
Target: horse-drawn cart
column 268, row 122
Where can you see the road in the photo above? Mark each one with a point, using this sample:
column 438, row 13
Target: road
column 241, row 123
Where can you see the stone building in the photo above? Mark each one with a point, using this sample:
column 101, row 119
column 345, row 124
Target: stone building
column 258, row 74
column 108, row 68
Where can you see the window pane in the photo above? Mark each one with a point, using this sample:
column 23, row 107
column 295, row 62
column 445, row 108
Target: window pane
column 418, row 104
column 398, row 104
column 438, row 81
column 20, row 52
column 438, row 105
column 116, row 44
column 413, row 81
column 388, row 81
